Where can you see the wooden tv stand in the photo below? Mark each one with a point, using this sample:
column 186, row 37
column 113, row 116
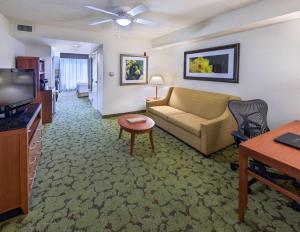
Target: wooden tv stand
column 20, row 150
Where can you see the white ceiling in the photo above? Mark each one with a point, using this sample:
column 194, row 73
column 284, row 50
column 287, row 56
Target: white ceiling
column 61, row 46
column 67, row 46
column 171, row 14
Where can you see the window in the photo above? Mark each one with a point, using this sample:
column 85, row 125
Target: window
column 72, row 71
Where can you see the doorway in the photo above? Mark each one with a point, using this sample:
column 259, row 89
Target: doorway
column 78, row 67
column 96, row 78
column 73, row 71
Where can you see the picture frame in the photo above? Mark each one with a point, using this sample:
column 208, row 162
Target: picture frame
column 133, row 69
column 219, row 64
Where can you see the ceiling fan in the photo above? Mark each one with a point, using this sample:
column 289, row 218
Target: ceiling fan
column 124, row 18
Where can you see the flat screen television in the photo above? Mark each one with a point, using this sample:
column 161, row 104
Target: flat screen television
column 17, row 88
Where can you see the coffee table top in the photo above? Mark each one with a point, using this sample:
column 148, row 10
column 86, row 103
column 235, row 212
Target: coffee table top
column 139, row 126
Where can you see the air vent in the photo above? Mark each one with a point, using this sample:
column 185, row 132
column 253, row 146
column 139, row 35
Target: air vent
column 26, row 28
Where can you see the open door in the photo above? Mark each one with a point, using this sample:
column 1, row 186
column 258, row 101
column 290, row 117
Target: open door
column 94, row 84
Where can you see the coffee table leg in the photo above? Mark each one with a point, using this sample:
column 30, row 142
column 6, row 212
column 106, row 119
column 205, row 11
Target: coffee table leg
column 132, row 143
column 151, row 139
column 120, row 134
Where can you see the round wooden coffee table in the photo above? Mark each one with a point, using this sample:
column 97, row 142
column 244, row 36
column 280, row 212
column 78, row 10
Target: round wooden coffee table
column 136, row 128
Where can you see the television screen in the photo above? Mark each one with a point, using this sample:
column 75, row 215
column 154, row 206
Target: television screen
column 17, row 87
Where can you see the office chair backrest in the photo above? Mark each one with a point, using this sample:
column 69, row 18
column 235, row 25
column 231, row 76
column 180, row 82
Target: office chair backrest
column 251, row 116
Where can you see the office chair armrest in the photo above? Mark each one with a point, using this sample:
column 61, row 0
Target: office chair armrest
column 238, row 136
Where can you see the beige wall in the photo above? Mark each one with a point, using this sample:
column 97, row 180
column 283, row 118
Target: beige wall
column 9, row 46
column 42, row 51
column 119, row 99
column 269, row 68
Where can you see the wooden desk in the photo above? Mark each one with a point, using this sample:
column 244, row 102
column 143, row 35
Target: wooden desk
column 278, row 156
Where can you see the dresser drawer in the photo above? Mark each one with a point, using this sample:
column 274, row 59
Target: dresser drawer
column 34, row 153
column 36, row 141
column 32, row 164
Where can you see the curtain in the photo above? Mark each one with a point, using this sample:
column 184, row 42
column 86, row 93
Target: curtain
column 73, row 71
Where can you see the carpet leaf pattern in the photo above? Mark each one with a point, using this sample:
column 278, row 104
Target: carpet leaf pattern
column 87, row 181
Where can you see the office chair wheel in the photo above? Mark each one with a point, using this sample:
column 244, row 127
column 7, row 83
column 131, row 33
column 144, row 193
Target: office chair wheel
column 234, row 166
column 295, row 206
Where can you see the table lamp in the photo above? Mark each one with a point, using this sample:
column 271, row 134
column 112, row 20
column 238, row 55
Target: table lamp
column 156, row 80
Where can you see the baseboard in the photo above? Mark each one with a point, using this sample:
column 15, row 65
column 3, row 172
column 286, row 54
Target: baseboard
column 10, row 214
column 132, row 112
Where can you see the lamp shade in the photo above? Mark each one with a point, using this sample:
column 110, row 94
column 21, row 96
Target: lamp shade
column 156, row 80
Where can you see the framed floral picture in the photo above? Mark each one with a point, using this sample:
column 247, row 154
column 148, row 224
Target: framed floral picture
column 213, row 64
column 133, row 69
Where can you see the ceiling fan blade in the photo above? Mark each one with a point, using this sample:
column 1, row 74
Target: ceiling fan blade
column 146, row 22
column 137, row 10
column 100, row 22
column 101, row 10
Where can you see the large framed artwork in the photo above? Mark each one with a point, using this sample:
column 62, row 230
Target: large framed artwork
column 133, row 69
column 213, row 64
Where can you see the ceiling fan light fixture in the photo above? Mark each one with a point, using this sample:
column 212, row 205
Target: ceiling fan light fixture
column 123, row 21
column 124, row 17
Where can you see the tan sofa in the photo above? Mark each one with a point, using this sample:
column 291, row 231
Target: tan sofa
column 201, row 119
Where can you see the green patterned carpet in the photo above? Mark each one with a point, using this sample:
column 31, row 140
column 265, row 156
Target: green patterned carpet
column 87, row 181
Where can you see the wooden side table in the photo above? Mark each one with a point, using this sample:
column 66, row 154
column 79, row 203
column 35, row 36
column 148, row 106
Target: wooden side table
column 136, row 128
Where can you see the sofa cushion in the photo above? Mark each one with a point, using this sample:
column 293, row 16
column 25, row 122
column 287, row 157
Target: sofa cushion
column 188, row 122
column 165, row 111
column 203, row 104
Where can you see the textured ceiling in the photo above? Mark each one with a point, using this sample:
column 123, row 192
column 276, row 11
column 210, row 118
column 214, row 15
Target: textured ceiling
column 171, row 14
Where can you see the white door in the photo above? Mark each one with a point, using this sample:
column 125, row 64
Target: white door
column 100, row 78
column 95, row 82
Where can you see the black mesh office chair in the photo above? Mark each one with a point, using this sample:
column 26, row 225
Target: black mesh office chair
column 251, row 118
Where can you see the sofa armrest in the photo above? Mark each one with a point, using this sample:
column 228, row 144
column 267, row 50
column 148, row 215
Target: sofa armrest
column 215, row 133
column 160, row 102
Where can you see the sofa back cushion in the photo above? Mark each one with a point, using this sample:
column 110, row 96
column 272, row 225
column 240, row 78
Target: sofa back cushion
column 203, row 104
